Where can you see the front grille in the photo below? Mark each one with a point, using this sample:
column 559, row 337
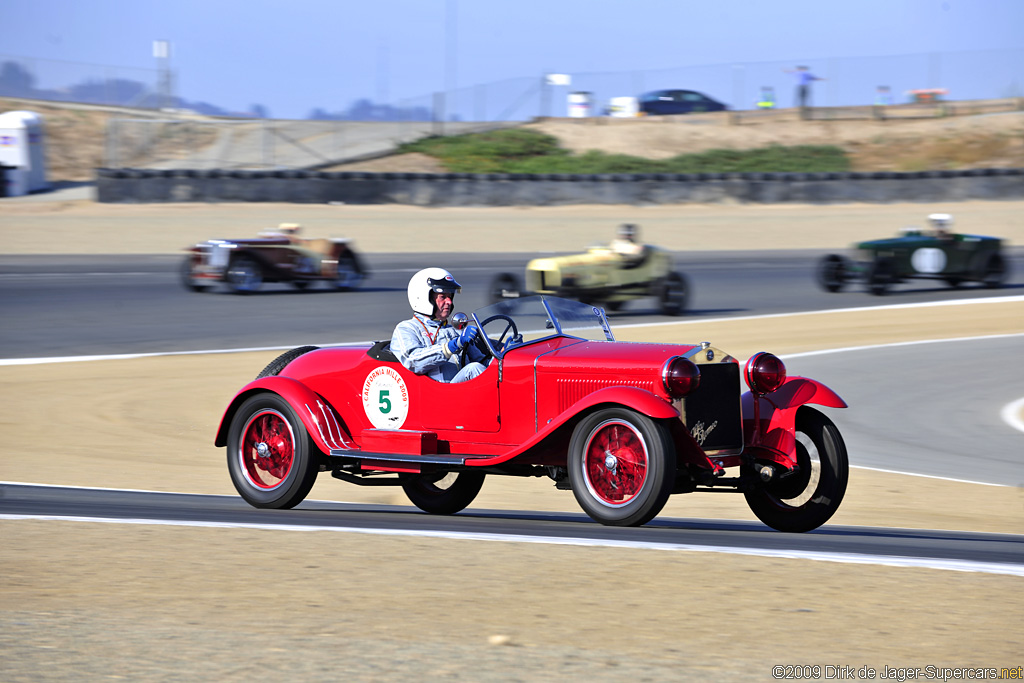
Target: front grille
column 712, row 413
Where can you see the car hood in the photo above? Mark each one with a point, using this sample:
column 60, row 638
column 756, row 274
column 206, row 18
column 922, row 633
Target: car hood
column 605, row 358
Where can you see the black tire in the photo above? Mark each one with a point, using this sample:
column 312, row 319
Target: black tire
column 244, row 275
column 281, row 362
column 673, row 294
column 443, row 493
column 993, row 273
column 832, row 273
column 188, row 278
column 272, row 461
column 809, row 497
column 630, row 486
column 880, row 276
column 502, row 283
column 349, row 275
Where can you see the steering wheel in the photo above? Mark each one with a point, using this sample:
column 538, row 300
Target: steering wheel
column 479, row 342
column 510, row 326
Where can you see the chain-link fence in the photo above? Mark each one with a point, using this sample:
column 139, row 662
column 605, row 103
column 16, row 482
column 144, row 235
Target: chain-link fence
column 257, row 144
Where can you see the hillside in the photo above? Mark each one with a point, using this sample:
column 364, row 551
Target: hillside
column 75, row 139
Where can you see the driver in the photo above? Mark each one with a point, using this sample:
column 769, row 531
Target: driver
column 625, row 243
column 942, row 224
column 426, row 344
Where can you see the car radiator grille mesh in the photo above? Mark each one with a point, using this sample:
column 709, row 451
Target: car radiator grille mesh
column 572, row 390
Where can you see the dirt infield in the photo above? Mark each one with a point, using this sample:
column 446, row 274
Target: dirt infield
column 145, row 602
column 83, row 227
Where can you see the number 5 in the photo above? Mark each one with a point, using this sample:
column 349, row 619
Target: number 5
column 385, row 402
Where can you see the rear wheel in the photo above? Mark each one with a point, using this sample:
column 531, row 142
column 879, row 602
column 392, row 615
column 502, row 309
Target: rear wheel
column 503, row 285
column 832, row 273
column 993, row 273
column 808, row 497
column 880, row 276
column 444, row 493
column 244, row 275
column 673, row 294
column 188, row 276
column 272, row 461
column 621, row 466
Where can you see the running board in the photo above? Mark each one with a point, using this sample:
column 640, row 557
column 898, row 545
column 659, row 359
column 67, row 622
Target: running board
column 401, row 457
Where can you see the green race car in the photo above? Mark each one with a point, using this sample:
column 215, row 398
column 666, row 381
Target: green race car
column 934, row 253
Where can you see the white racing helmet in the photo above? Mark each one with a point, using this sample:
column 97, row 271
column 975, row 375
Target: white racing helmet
column 430, row 280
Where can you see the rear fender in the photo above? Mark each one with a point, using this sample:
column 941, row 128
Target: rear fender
column 773, row 436
column 321, row 421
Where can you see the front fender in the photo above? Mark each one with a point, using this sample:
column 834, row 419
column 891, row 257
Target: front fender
column 774, row 432
column 638, row 399
column 318, row 417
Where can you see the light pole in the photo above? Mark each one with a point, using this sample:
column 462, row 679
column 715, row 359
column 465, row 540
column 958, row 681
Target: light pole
column 162, row 52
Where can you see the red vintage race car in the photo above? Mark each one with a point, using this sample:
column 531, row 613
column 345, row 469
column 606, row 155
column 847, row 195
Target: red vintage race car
column 621, row 425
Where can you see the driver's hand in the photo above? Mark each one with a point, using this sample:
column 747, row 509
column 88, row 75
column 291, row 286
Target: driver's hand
column 513, row 342
column 466, row 337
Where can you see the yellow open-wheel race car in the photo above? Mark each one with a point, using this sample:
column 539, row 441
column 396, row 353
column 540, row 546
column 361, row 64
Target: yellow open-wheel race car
column 605, row 275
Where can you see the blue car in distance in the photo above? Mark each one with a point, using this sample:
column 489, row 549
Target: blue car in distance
column 661, row 102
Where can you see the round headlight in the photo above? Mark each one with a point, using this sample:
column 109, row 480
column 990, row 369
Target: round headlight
column 681, row 376
column 765, row 373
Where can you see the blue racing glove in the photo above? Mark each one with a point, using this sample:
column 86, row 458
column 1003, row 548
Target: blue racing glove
column 466, row 337
column 513, row 342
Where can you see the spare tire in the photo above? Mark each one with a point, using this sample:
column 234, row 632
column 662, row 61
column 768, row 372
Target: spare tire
column 281, row 362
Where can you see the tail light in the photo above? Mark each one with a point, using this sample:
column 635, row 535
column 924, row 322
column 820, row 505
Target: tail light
column 681, row 376
column 764, row 373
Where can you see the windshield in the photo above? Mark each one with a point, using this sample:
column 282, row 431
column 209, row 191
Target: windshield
column 538, row 317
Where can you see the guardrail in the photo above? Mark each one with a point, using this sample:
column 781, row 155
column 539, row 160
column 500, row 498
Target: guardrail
column 496, row 189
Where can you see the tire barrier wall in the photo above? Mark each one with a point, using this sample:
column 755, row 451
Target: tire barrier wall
column 467, row 189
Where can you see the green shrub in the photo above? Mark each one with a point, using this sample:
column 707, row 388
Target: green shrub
column 522, row 151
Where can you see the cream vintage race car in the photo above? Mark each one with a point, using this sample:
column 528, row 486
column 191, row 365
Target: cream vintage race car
column 605, row 275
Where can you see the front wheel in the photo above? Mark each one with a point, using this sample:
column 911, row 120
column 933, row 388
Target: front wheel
column 832, row 273
column 621, row 466
column 349, row 275
column 272, row 461
column 673, row 294
column 445, row 493
column 244, row 275
column 808, row 497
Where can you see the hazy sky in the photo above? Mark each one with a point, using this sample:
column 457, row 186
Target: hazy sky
column 291, row 56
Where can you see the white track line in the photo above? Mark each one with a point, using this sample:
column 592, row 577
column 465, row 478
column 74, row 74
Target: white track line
column 845, row 558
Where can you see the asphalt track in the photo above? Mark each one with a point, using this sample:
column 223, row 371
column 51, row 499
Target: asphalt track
column 86, row 305
column 961, row 551
column 932, row 409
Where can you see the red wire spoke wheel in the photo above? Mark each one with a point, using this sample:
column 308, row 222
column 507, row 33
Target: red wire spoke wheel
column 622, row 466
column 267, row 450
column 616, row 462
column 272, row 461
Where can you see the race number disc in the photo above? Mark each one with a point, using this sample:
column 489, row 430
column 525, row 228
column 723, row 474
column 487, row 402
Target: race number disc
column 928, row 260
column 385, row 398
